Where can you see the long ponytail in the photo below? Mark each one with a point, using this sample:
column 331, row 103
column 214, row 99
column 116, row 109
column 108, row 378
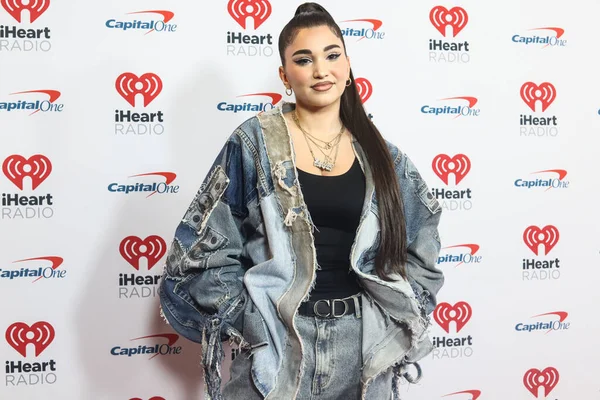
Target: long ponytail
column 392, row 254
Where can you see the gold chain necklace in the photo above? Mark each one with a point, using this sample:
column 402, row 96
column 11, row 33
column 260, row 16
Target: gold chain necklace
column 328, row 163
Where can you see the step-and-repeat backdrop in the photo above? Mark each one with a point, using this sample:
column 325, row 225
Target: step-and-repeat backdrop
column 112, row 112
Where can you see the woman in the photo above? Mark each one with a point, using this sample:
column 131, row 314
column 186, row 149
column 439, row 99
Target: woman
column 296, row 246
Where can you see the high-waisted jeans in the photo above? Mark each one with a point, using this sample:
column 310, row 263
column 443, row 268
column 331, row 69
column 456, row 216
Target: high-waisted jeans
column 332, row 364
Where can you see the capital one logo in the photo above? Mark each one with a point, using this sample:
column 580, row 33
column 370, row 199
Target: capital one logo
column 463, row 110
column 151, row 398
column 157, row 349
column 364, row 87
column 154, row 25
column 46, row 273
column 441, row 17
column 548, row 236
column 252, row 106
column 554, row 325
column 40, row 335
column 468, row 258
column 48, row 105
column 445, row 313
column 370, row 33
column 16, row 7
column 531, row 93
column 535, row 379
column 275, row 97
column 473, row 393
column 37, row 167
column 444, row 165
column 132, row 248
column 241, row 10
column 149, row 85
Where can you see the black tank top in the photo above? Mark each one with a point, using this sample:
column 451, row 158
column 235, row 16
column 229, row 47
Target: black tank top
column 335, row 204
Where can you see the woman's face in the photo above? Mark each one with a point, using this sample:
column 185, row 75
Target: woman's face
column 316, row 67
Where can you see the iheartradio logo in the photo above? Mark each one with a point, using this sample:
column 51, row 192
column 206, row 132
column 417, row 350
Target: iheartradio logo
column 40, row 335
column 149, row 85
column 535, row 379
column 37, row 167
column 364, row 87
column 441, row 17
column 445, row 313
column 459, row 165
column 241, row 10
column 16, row 7
column 545, row 93
column 548, row 236
column 132, row 248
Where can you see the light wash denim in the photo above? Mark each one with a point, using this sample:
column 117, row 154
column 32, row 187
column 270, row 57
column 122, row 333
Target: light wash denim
column 243, row 259
column 332, row 362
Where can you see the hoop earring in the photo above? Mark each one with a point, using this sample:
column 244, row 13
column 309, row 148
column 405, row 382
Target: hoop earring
column 290, row 91
column 348, row 82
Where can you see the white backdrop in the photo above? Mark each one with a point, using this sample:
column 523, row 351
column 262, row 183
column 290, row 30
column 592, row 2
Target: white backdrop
column 89, row 327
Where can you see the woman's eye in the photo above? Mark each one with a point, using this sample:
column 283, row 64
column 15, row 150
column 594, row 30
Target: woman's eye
column 334, row 56
column 302, row 61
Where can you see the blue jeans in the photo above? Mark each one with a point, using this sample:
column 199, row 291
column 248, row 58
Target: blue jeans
column 332, row 364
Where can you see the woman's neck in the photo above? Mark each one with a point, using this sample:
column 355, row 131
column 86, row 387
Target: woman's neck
column 323, row 122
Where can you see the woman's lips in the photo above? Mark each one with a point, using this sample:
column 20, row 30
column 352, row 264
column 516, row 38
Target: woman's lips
column 321, row 87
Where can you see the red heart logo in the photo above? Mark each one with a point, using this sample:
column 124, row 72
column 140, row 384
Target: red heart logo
column 534, row 379
column 441, row 17
column 132, row 248
column 460, row 313
column 37, row 167
column 545, row 93
column 40, row 334
column 128, row 85
column 459, row 165
column 365, row 89
column 258, row 10
column 534, row 236
column 35, row 7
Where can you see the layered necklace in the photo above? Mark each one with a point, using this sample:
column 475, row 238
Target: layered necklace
column 326, row 147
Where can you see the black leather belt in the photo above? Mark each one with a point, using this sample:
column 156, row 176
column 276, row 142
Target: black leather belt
column 332, row 308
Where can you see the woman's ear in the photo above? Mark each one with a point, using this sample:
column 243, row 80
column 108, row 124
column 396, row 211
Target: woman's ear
column 349, row 66
column 283, row 77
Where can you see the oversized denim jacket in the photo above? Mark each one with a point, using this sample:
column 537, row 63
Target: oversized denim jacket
column 243, row 259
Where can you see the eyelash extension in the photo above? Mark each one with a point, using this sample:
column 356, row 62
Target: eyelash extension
column 304, row 61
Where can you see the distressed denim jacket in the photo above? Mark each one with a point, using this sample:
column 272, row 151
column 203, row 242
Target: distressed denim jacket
column 243, row 259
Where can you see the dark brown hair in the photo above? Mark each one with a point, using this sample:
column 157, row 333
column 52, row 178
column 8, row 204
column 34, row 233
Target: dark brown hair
column 392, row 247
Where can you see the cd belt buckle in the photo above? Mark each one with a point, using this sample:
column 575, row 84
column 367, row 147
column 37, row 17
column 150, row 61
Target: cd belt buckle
column 333, row 308
column 316, row 308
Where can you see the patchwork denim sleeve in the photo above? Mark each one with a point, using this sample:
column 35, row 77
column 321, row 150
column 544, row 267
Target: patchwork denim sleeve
column 202, row 293
column 422, row 212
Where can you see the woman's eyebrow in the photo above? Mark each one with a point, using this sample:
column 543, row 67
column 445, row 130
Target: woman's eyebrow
column 307, row 51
